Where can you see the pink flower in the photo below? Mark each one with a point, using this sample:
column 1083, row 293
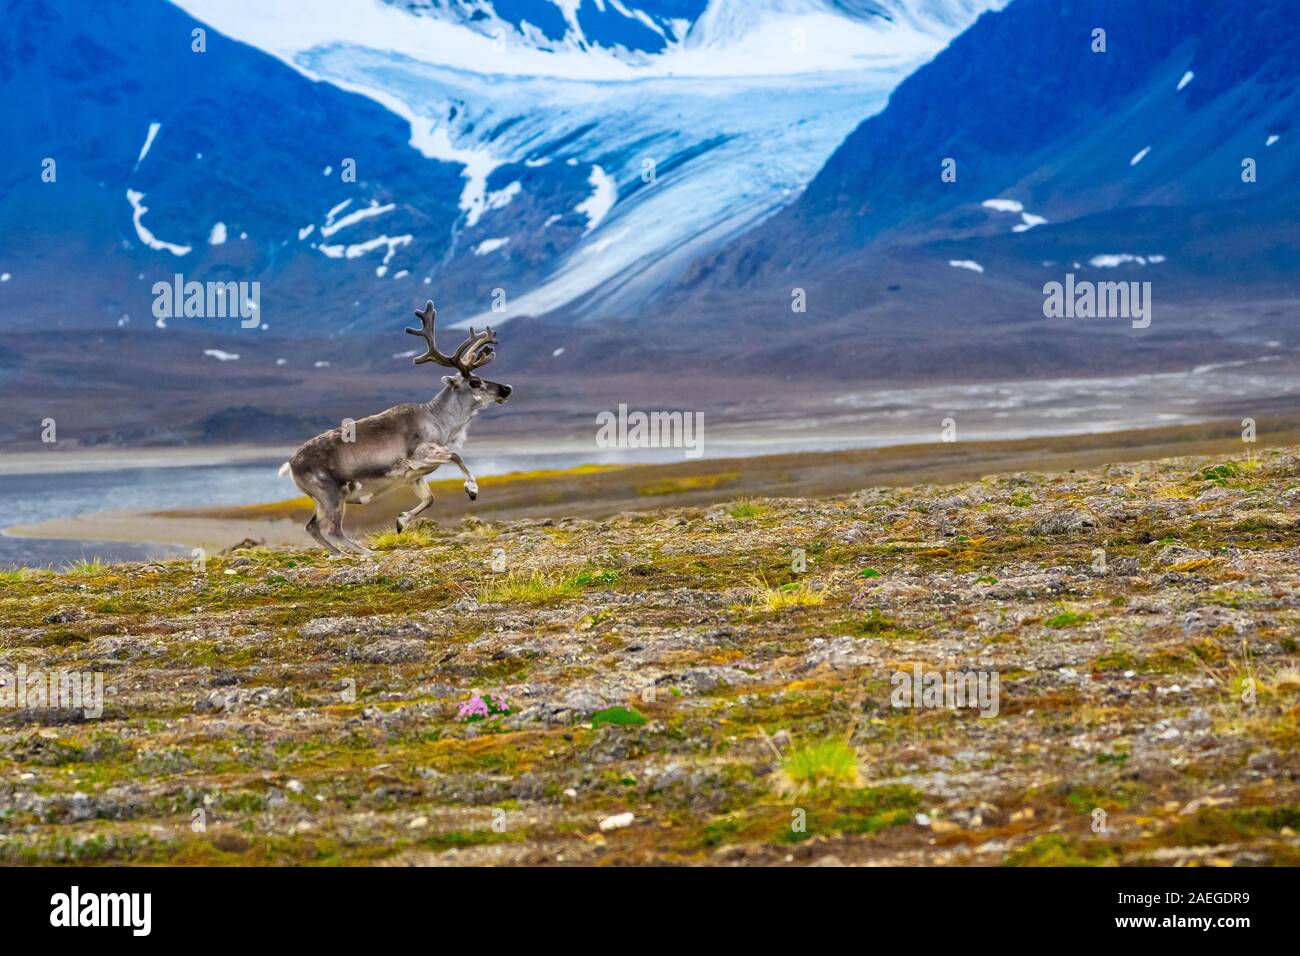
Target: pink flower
column 481, row 707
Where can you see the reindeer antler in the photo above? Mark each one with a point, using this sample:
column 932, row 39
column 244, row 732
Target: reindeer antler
column 475, row 352
column 478, row 349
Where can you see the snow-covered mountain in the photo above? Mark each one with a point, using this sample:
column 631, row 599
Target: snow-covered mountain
column 684, row 122
column 1165, row 151
column 557, row 156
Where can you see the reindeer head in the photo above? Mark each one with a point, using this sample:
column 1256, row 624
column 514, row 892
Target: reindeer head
column 475, row 352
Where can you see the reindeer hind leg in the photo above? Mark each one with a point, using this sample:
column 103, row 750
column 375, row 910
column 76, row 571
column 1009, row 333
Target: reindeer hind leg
column 313, row 529
column 335, row 528
column 328, row 500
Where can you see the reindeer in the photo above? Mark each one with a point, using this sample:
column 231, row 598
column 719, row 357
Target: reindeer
column 398, row 447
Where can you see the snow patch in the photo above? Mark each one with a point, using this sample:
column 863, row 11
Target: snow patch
column 502, row 197
column 604, row 193
column 490, row 245
column 358, row 249
column 970, row 264
column 147, row 237
column 218, row 234
column 220, row 356
column 1187, row 78
column 1140, row 155
column 374, row 209
column 148, row 142
column 1112, row 260
column 1028, row 221
column 1004, row 205
column 1271, row 140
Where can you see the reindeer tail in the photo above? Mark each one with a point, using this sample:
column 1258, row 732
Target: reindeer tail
column 284, row 469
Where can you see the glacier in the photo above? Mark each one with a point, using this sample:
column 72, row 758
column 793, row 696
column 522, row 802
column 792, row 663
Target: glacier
column 692, row 129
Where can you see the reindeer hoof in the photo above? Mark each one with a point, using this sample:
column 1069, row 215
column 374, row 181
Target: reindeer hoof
column 473, row 495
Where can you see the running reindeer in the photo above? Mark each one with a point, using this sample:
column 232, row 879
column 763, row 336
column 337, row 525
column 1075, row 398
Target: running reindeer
column 398, row 447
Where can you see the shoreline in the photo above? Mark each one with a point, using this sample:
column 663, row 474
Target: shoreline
column 584, row 492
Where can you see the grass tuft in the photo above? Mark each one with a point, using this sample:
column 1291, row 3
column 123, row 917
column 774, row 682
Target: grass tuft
column 86, row 566
column 795, row 594
column 416, row 536
column 825, row 763
column 535, row 588
column 748, row 508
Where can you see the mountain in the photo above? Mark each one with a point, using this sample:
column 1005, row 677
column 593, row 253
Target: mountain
column 513, row 157
column 1124, row 165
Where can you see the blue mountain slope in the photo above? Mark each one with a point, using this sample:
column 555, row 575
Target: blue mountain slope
column 1137, row 149
column 240, row 140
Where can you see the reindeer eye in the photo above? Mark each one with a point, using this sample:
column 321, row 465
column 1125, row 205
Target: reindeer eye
column 475, row 383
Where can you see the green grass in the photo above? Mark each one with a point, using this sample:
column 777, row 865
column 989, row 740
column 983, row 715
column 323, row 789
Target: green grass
column 19, row 575
column 825, row 763
column 748, row 509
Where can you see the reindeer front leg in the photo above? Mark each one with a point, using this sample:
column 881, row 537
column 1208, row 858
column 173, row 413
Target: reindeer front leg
column 471, row 484
column 424, row 459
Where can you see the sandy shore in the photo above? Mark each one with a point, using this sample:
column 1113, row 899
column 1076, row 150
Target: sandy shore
column 608, row 491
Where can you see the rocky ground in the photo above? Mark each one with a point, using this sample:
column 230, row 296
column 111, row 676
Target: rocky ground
column 692, row 685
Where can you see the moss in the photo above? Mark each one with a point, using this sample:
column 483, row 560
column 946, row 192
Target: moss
column 1221, row 825
column 676, row 486
column 618, row 716
column 1219, row 474
column 1067, row 619
column 1117, row 660
column 460, row 839
column 1057, row 849
column 1086, row 798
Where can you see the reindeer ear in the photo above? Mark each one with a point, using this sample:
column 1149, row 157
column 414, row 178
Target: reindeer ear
column 448, row 379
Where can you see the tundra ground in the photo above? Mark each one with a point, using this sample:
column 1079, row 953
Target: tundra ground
column 692, row 685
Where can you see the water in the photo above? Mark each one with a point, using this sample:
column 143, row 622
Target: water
column 865, row 418
column 27, row 499
column 31, row 498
